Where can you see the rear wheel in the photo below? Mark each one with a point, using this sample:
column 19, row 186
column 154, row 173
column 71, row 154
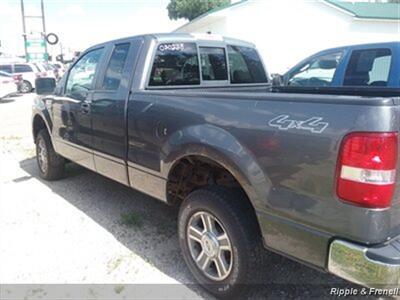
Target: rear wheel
column 219, row 238
column 210, row 246
column 26, row 87
column 51, row 165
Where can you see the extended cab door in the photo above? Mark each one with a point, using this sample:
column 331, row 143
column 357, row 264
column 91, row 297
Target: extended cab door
column 108, row 107
column 72, row 132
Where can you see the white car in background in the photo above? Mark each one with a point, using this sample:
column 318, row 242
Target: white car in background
column 46, row 69
column 8, row 84
column 59, row 69
column 29, row 72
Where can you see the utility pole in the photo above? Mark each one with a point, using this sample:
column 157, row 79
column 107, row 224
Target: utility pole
column 39, row 43
column 43, row 25
column 24, row 29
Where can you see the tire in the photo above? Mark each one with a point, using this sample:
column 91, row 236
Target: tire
column 26, row 87
column 50, row 164
column 233, row 216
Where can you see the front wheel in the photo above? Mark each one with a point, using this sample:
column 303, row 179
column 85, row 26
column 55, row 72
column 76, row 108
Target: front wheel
column 51, row 165
column 219, row 238
column 26, row 87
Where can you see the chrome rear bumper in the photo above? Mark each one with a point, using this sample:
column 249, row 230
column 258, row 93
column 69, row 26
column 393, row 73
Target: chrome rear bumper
column 371, row 267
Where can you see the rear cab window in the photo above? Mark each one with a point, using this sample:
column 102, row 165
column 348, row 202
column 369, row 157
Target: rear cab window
column 175, row 64
column 213, row 64
column 368, row 67
column 205, row 64
column 245, row 65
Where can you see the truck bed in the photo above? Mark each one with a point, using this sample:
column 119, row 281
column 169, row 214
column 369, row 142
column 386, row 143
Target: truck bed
column 293, row 169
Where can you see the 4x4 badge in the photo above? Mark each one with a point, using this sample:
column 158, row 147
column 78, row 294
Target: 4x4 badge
column 313, row 124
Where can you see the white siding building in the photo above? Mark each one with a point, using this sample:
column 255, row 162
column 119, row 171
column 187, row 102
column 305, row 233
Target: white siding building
column 286, row 31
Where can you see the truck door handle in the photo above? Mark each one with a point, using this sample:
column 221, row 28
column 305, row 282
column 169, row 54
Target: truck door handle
column 85, row 108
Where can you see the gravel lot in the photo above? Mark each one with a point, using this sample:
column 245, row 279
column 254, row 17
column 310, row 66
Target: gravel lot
column 89, row 229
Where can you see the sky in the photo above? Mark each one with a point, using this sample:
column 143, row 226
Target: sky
column 82, row 23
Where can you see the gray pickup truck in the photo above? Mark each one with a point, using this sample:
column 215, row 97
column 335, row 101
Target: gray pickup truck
column 192, row 121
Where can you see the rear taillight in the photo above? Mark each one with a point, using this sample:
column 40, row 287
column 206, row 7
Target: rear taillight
column 366, row 169
column 17, row 78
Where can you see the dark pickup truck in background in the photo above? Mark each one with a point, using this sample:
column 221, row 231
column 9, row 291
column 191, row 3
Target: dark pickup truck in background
column 192, row 121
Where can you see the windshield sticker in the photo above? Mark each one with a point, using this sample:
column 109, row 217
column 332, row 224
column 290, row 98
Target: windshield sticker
column 171, row 47
column 313, row 124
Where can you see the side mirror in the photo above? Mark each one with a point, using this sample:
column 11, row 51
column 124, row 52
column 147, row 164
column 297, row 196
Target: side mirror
column 277, row 79
column 45, row 86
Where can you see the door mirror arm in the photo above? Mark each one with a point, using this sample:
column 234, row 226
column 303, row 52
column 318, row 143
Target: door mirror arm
column 277, row 80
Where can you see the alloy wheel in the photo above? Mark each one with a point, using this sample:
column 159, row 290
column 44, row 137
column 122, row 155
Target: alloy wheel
column 210, row 246
column 42, row 155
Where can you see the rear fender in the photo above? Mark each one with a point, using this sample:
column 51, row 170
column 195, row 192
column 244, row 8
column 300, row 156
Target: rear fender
column 221, row 147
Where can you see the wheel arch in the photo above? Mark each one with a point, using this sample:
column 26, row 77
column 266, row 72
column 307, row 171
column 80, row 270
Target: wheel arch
column 219, row 147
column 39, row 123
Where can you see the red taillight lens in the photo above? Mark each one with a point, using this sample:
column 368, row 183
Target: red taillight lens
column 17, row 78
column 367, row 169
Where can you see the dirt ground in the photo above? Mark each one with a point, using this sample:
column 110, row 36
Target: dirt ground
column 87, row 229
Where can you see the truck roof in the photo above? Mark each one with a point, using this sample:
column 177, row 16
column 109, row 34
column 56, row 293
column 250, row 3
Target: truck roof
column 183, row 37
column 195, row 37
column 369, row 45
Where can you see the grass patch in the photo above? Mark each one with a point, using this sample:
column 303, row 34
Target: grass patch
column 119, row 288
column 114, row 264
column 30, row 152
column 131, row 219
column 11, row 138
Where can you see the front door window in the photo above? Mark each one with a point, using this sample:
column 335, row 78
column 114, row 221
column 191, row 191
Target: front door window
column 81, row 77
column 317, row 72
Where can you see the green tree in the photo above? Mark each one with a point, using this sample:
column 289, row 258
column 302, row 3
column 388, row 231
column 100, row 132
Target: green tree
column 190, row 9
